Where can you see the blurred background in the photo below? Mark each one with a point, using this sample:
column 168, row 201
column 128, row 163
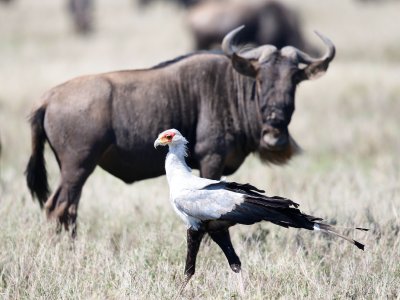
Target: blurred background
column 347, row 122
column 48, row 42
column 45, row 43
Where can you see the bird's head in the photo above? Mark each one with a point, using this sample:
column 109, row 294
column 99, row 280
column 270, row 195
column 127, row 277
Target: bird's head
column 170, row 137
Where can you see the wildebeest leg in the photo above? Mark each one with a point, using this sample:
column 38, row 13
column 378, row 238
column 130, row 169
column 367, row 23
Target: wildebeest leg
column 223, row 239
column 82, row 13
column 211, row 166
column 63, row 204
column 194, row 238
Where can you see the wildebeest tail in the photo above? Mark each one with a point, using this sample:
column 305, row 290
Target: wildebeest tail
column 331, row 229
column 36, row 174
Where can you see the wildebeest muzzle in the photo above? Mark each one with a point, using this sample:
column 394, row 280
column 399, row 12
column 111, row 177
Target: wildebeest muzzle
column 274, row 138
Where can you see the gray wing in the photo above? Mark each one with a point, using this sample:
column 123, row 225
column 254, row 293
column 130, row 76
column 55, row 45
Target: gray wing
column 207, row 204
column 241, row 203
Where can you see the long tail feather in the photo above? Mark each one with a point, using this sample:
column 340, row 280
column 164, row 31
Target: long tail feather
column 351, row 228
column 362, row 229
column 330, row 229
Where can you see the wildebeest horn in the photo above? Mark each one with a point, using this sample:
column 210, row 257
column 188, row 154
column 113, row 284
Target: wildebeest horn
column 328, row 56
column 227, row 42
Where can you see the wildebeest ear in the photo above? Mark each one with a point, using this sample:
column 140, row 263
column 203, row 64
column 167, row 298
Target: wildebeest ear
column 244, row 66
column 314, row 70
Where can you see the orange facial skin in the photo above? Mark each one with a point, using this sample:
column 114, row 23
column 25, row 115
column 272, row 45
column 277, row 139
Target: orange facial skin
column 167, row 137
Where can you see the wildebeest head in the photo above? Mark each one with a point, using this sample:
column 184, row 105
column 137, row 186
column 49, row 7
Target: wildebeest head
column 277, row 73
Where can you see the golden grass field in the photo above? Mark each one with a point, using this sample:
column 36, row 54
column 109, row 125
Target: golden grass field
column 130, row 242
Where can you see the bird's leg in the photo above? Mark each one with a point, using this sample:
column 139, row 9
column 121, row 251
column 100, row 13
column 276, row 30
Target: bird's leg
column 194, row 238
column 223, row 239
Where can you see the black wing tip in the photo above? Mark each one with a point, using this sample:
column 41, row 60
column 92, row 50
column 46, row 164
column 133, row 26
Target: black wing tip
column 251, row 187
column 242, row 187
column 315, row 219
column 295, row 204
column 359, row 245
column 362, row 229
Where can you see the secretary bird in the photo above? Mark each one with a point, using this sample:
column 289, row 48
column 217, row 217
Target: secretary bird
column 211, row 206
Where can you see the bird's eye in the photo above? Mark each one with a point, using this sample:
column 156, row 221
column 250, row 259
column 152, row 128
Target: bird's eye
column 169, row 137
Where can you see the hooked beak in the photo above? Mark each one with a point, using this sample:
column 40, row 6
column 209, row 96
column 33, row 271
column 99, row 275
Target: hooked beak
column 159, row 142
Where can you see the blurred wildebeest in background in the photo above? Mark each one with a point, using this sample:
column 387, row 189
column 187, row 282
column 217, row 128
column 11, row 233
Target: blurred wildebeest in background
column 266, row 22
column 81, row 12
column 185, row 3
column 227, row 105
column 82, row 15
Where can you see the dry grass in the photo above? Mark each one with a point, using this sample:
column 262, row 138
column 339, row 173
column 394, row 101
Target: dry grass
column 131, row 244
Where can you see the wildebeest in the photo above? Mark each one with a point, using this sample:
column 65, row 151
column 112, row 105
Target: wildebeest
column 267, row 22
column 82, row 14
column 227, row 105
column 185, row 3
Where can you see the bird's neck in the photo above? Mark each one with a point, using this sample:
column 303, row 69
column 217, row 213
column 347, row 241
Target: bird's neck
column 175, row 164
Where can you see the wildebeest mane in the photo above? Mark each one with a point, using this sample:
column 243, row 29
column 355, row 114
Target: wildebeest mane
column 182, row 57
